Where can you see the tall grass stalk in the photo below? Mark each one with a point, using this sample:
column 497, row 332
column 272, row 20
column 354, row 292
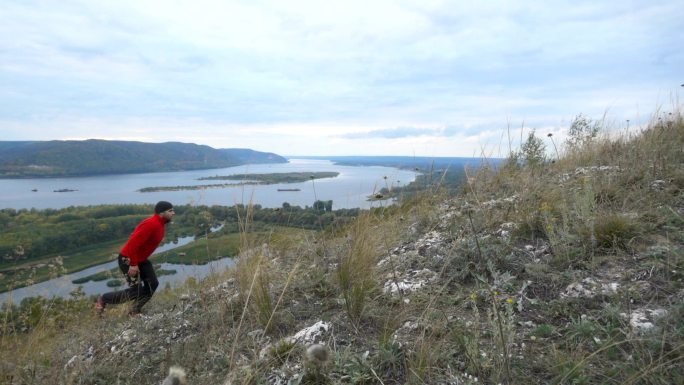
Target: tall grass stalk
column 290, row 277
column 356, row 266
column 503, row 336
column 472, row 227
column 254, row 278
column 242, row 317
column 245, row 221
column 420, row 362
column 659, row 364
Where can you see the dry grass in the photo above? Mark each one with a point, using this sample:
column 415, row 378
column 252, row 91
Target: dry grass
column 356, row 267
column 495, row 307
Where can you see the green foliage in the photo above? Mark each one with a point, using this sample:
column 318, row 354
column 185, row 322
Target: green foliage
column 581, row 330
column 282, row 177
column 97, row 157
column 390, row 360
column 614, row 231
column 545, row 331
column 569, row 370
column 582, row 131
column 89, row 235
column 282, row 350
column 533, row 151
column 101, row 276
column 314, row 378
column 446, row 174
column 39, row 311
column 357, row 369
column 467, row 342
column 323, row 205
column 477, row 316
column 247, row 179
column 31, row 234
column 420, row 360
column 449, row 178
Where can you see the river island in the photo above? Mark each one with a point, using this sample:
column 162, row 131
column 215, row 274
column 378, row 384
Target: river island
column 249, row 179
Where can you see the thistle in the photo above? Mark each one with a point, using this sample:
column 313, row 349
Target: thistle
column 176, row 376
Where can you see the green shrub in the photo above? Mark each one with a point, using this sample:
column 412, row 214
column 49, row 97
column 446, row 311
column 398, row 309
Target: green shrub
column 545, row 331
column 282, row 350
column 614, row 231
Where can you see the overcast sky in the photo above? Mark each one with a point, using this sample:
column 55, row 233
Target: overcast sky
column 367, row 77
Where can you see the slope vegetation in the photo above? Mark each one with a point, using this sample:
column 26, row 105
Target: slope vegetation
column 538, row 272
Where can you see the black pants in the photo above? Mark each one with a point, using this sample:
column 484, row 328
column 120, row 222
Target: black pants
column 140, row 290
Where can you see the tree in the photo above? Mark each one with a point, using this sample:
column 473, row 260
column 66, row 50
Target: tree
column 319, row 205
column 533, row 151
column 204, row 221
column 582, row 130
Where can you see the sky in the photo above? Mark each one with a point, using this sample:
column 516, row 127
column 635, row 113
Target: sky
column 368, row 77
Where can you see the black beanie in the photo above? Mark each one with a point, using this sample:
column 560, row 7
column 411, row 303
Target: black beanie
column 162, row 206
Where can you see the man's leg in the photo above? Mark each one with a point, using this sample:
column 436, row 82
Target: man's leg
column 121, row 296
column 148, row 285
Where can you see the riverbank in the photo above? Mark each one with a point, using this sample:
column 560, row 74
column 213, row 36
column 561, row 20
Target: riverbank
column 196, row 252
column 188, row 257
column 33, row 272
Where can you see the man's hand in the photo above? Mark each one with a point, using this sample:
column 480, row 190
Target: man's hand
column 133, row 271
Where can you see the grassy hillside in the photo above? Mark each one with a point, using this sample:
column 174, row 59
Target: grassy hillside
column 96, row 157
column 539, row 272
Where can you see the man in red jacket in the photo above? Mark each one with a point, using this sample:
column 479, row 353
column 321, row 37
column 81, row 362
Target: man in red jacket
column 134, row 263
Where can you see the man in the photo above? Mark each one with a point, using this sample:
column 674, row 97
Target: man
column 134, row 263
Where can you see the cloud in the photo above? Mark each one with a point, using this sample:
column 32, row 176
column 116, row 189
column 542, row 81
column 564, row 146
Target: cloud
column 392, row 133
column 418, row 132
column 350, row 72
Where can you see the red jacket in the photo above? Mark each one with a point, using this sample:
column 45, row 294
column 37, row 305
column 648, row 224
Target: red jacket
column 144, row 239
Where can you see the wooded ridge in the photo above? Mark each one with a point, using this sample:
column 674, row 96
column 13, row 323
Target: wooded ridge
column 57, row 158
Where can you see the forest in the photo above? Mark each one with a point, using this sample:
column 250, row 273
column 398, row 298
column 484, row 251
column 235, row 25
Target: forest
column 58, row 158
column 34, row 234
column 79, row 237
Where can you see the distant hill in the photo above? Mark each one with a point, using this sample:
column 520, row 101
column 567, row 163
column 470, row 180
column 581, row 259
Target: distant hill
column 57, row 158
column 409, row 162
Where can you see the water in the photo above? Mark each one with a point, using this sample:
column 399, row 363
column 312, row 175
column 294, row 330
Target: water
column 349, row 189
column 62, row 286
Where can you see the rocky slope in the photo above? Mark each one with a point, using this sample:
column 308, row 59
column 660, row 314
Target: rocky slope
column 426, row 291
column 568, row 272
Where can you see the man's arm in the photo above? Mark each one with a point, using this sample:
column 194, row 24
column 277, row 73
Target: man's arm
column 140, row 236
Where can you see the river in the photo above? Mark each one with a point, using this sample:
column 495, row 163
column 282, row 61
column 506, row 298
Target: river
column 62, row 286
column 349, row 189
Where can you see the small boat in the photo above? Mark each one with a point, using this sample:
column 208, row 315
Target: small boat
column 289, row 189
column 34, row 190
